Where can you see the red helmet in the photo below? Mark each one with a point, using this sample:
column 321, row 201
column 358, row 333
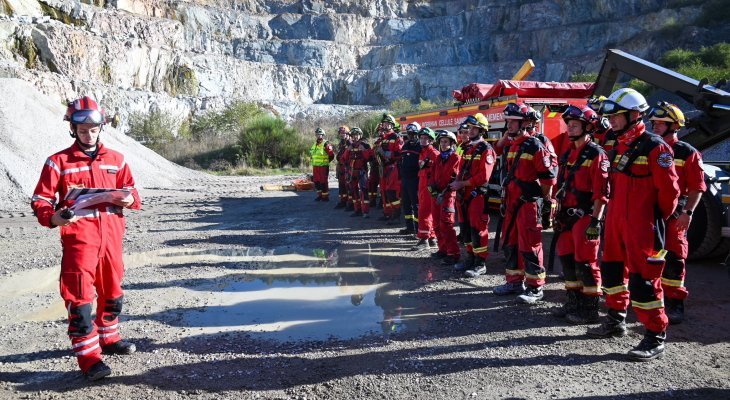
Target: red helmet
column 84, row 111
column 585, row 115
column 521, row 111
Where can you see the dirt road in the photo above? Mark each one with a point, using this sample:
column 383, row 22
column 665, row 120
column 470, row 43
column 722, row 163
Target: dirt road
column 236, row 293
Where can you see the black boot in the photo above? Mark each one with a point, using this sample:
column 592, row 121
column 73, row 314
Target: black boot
column 98, row 371
column 587, row 312
column 650, row 347
column 421, row 245
column 356, row 214
column 478, row 269
column 570, row 306
column 438, row 254
column 120, row 347
column 350, row 207
column 341, row 204
column 614, row 325
column 675, row 311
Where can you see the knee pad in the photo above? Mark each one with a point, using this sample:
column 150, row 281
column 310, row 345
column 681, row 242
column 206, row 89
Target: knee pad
column 113, row 307
column 79, row 320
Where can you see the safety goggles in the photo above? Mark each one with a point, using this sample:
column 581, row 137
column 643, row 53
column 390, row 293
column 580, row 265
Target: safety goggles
column 463, row 127
column 609, row 107
column 662, row 110
column 470, row 120
column 92, row 117
column 573, row 112
column 411, row 129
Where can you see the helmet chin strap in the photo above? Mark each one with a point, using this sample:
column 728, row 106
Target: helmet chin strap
column 84, row 146
column 629, row 125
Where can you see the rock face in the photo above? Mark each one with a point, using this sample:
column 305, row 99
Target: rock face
column 184, row 56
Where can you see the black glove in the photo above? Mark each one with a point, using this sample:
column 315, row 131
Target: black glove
column 594, row 229
column 547, row 213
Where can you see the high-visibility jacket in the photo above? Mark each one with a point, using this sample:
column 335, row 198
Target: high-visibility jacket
column 321, row 153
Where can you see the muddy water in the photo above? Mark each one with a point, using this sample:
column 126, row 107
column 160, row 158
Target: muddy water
column 281, row 293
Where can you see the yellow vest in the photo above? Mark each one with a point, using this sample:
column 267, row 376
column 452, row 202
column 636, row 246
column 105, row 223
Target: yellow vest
column 320, row 158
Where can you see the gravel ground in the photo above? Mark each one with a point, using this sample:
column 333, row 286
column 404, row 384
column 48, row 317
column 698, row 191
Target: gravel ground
column 399, row 326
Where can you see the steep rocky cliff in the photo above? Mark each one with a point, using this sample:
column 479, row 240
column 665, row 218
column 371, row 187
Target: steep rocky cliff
column 311, row 56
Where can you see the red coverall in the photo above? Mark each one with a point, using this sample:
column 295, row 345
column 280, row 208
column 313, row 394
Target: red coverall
column 92, row 266
column 341, row 171
column 522, row 226
column 589, row 183
column 634, row 229
column 444, row 172
column 391, row 146
column 374, row 178
column 691, row 177
column 426, row 160
column 476, row 168
column 357, row 159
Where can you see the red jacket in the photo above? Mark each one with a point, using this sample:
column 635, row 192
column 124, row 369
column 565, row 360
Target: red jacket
column 356, row 157
column 479, row 159
column 444, row 171
column 427, row 160
column 537, row 162
column 590, row 181
column 72, row 168
column 654, row 181
column 688, row 164
column 392, row 144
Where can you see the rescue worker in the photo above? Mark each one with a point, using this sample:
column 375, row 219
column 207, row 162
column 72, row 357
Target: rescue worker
column 341, row 168
column 603, row 127
column 322, row 154
column 530, row 175
column 426, row 160
column 463, row 138
column 376, row 171
column 91, row 238
column 389, row 152
column 443, row 202
column 667, row 119
column 582, row 196
column 472, row 182
column 409, row 178
column 357, row 157
column 644, row 195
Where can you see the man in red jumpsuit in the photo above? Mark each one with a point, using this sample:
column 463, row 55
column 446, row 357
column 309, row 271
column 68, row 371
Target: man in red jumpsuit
column 357, row 157
column 644, row 194
column 667, row 119
column 341, row 168
column 390, row 152
column 376, row 172
column 531, row 172
column 91, row 267
column 582, row 196
column 443, row 202
column 426, row 160
column 322, row 154
column 475, row 171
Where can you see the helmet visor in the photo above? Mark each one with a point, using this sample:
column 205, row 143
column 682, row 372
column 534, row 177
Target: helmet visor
column 609, row 107
column 573, row 112
column 93, row 117
column 471, row 121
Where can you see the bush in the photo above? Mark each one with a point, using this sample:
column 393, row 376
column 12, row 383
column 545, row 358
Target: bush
column 711, row 62
column 268, row 142
column 675, row 58
column 226, row 123
column 220, row 165
column 154, row 129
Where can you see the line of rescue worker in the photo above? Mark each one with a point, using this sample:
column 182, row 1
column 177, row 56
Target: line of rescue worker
column 612, row 185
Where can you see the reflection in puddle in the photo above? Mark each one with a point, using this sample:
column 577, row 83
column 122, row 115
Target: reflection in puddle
column 290, row 310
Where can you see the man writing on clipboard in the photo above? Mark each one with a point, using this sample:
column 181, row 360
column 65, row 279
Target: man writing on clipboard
column 91, row 236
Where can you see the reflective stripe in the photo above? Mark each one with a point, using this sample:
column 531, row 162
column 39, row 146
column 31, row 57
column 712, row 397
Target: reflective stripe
column 672, row 282
column 424, row 231
column 124, row 163
column 395, row 203
column 38, row 197
column 481, row 249
column 108, row 328
column 85, row 342
column 106, row 335
column 652, row 305
column 573, row 284
column 586, row 163
column 538, row 276
column 75, row 170
column 514, row 272
column 591, row 290
column 616, row 289
column 89, row 350
column 415, row 219
column 111, row 167
column 641, row 160
column 53, row 165
column 467, row 244
column 678, row 162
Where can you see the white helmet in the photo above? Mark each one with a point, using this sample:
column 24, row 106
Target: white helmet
column 624, row 100
column 444, row 133
column 413, row 127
